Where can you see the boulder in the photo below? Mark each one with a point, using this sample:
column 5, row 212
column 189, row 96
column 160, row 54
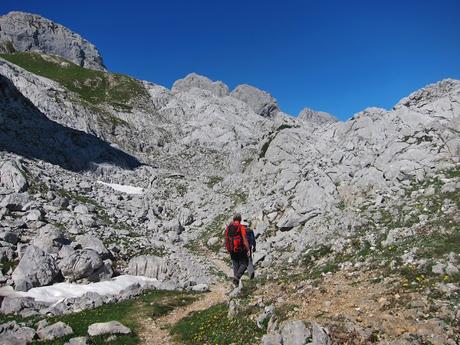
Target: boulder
column 50, row 239
column 54, row 331
column 82, row 263
column 146, row 265
column 12, row 179
column 272, row 339
column 295, row 333
column 92, row 242
column 77, row 341
column 9, row 236
column 12, row 333
column 15, row 305
column 15, row 201
column 81, row 209
column 36, row 268
column 200, row 288
column 320, row 335
column 112, row 327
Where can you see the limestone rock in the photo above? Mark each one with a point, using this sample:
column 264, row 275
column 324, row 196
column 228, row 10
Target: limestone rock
column 317, row 117
column 50, row 239
column 29, row 32
column 15, row 201
column 112, row 327
column 146, row 265
column 260, row 101
column 320, row 335
column 36, row 268
column 12, row 179
column 295, row 333
column 272, row 339
column 80, row 264
column 54, row 331
column 92, row 242
column 77, row 341
column 194, row 80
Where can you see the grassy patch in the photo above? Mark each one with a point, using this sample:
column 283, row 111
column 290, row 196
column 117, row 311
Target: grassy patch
column 211, row 326
column 213, row 180
column 168, row 304
column 150, row 304
column 265, row 146
column 95, row 87
column 77, row 197
column 9, row 47
column 7, row 265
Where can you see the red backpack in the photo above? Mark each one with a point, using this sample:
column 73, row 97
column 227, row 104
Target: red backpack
column 234, row 238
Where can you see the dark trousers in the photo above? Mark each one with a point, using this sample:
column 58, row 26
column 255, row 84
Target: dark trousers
column 240, row 263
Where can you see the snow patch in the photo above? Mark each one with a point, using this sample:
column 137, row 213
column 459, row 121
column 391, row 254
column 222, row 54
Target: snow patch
column 57, row 292
column 123, row 188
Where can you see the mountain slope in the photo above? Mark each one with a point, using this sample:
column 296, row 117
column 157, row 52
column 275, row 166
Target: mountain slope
column 24, row 32
column 370, row 202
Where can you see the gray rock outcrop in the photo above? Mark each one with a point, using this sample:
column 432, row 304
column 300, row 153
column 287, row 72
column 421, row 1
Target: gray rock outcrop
column 30, row 32
column 195, row 80
column 54, row 331
column 12, row 179
column 112, row 327
column 317, row 117
column 94, row 243
column 80, row 264
column 36, row 268
column 260, row 101
column 146, row 265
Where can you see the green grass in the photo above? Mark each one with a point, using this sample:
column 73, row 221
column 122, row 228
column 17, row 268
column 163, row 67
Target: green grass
column 95, row 87
column 9, row 47
column 166, row 305
column 151, row 304
column 213, row 180
column 6, row 265
column 211, row 326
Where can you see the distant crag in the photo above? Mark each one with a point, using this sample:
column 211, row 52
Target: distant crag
column 23, row 32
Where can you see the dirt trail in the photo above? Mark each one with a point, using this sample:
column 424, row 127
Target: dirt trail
column 154, row 332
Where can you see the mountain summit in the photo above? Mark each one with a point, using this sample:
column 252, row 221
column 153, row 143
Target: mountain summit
column 24, row 32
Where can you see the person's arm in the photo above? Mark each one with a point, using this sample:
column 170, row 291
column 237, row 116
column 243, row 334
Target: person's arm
column 245, row 239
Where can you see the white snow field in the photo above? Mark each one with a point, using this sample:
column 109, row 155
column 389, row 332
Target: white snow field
column 57, row 292
column 124, row 188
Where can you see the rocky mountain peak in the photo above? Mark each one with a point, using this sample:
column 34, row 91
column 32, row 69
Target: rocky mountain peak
column 260, row 101
column 430, row 93
column 318, row 117
column 195, row 80
column 25, row 32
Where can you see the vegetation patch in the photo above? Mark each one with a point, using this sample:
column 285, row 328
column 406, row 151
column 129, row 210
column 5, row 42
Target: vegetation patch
column 213, row 180
column 95, row 87
column 211, row 326
column 151, row 304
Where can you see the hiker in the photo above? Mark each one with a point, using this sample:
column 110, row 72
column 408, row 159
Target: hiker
column 237, row 246
column 250, row 236
column 252, row 247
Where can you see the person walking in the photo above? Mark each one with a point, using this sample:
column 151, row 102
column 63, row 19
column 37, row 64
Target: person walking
column 237, row 246
column 252, row 247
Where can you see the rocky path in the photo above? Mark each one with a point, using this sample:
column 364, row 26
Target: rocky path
column 156, row 332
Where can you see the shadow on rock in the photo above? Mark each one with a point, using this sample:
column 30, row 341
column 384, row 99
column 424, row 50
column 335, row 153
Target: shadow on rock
column 26, row 131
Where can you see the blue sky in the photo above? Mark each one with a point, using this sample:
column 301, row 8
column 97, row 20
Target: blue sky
column 334, row 56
